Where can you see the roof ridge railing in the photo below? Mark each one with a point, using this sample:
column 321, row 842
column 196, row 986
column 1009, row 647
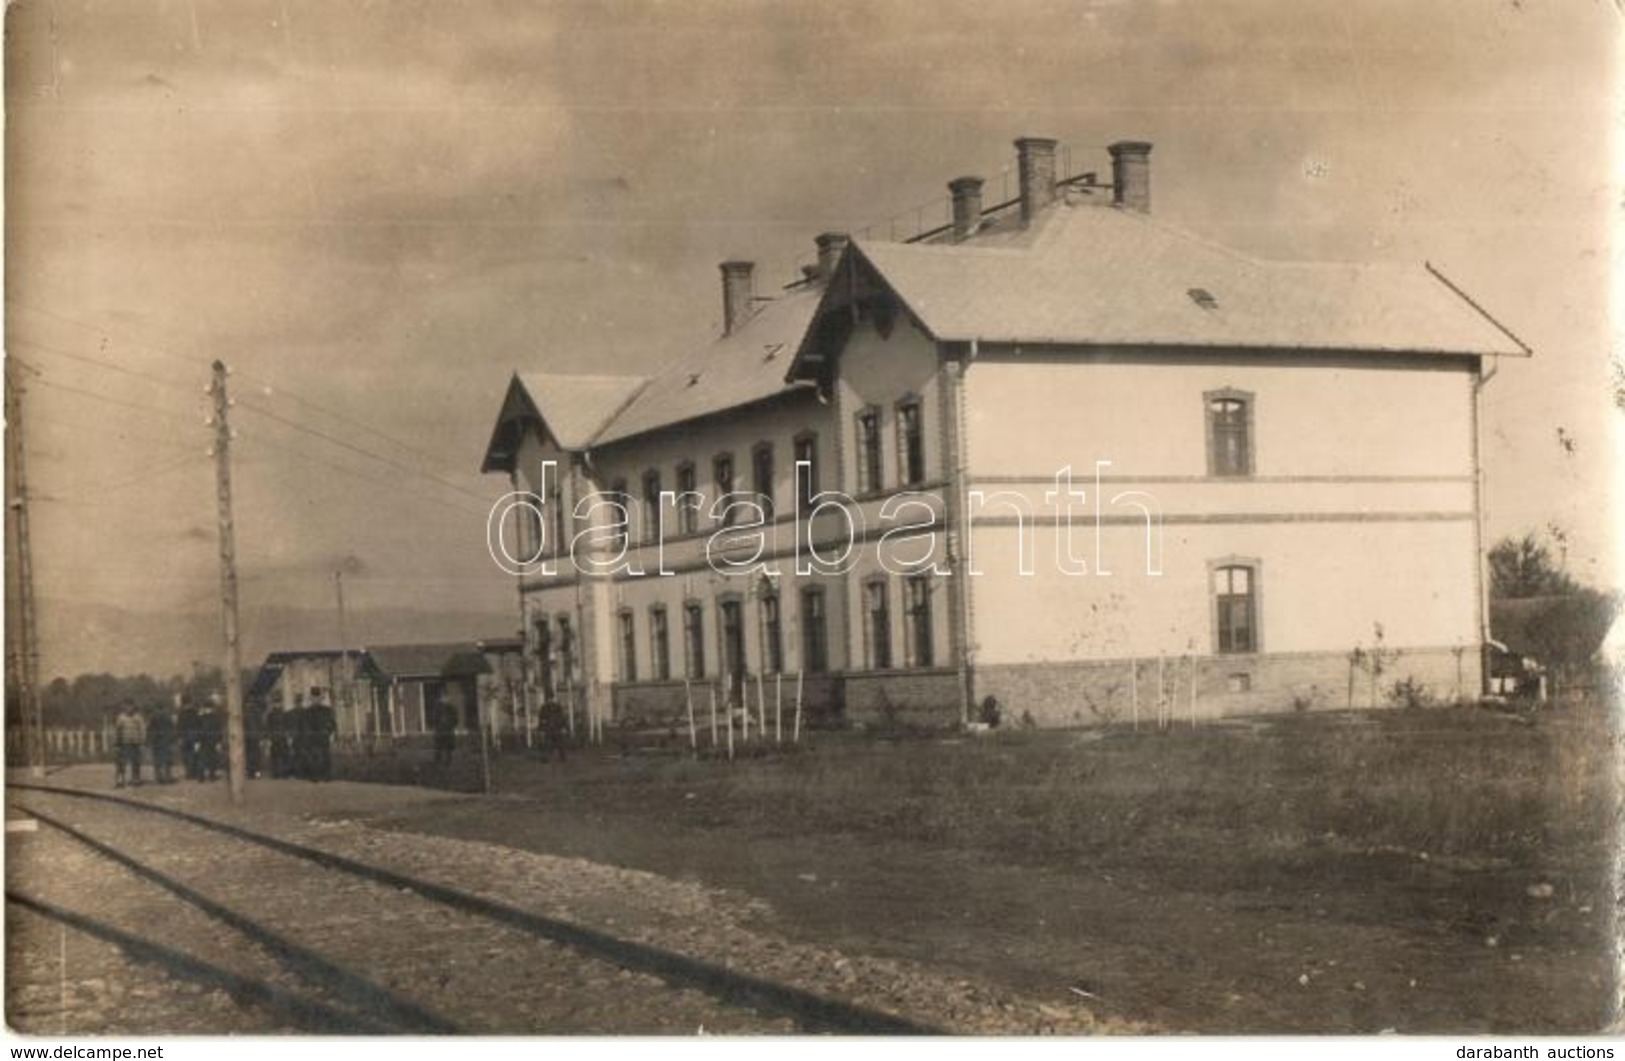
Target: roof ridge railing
column 942, row 207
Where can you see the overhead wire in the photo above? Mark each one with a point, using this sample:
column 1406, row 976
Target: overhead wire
column 276, row 390
column 172, row 414
column 372, row 480
column 360, row 450
column 110, row 365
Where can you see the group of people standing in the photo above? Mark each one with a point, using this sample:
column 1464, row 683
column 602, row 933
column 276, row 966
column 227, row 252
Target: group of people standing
column 195, row 732
column 299, row 741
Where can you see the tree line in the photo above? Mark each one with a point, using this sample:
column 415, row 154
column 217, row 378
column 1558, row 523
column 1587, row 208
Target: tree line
column 89, row 700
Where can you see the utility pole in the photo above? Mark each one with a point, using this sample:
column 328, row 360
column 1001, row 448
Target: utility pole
column 344, row 649
column 236, row 758
column 27, row 624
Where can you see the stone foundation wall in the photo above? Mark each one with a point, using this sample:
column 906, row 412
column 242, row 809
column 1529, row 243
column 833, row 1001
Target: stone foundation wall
column 657, row 704
column 923, row 699
column 1085, row 693
column 1101, row 692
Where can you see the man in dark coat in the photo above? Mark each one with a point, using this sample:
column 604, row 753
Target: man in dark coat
column 276, row 732
column 555, row 727
column 299, row 738
column 444, row 722
column 186, row 730
column 161, row 739
column 211, row 734
column 253, row 730
column 322, row 724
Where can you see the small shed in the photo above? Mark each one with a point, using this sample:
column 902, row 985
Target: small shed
column 411, row 679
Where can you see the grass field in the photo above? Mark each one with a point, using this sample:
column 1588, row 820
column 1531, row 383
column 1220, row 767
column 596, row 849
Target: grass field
column 1445, row 835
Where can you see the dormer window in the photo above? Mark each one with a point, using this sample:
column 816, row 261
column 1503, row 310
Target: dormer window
column 1229, row 433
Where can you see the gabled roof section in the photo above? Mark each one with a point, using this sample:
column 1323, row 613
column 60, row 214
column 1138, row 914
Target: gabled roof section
column 572, row 409
column 277, row 662
column 742, row 368
column 1097, row 275
column 431, row 660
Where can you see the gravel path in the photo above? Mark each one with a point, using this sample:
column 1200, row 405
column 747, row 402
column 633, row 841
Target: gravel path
column 416, row 934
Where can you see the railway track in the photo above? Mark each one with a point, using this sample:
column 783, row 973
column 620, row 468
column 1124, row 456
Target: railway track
column 297, row 936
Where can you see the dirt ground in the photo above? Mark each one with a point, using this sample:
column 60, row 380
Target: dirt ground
column 1439, row 872
column 1493, row 930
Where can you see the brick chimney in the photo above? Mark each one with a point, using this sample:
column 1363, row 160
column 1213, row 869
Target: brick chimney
column 967, row 196
column 1035, row 159
column 831, row 245
column 1131, row 175
column 737, row 291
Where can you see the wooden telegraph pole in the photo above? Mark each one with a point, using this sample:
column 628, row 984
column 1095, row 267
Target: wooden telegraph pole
column 27, row 626
column 236, row 759
column 344, row 650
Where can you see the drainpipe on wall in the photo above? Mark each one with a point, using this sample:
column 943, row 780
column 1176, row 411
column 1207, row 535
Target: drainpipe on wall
column 1480, row 569
column 526, row 650
column 956, row 546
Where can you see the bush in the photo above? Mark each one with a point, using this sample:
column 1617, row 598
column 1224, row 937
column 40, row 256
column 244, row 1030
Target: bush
column 1411, row 693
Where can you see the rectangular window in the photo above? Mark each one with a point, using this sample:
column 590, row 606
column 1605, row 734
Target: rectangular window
column 1235, row 597
column 722, row 473
column 659, row 644
column 919, row 621
column 731, row 631
column 555, row 501
column 544, row 658
column 877, row 616
column 761, row 473
column 687, row 484
column 651, row 505
column 814, row 637
column 567, row 654
column 1229, row 433
column 694, row 640
column 910, row 443
column 618, row 494
column 529, row 518
column 869, row 458
column 629, row 648
column 807, row 478
column 772, row 635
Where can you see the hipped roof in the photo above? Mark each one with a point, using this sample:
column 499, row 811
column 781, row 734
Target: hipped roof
column 1084, row 274
column 1095, row 275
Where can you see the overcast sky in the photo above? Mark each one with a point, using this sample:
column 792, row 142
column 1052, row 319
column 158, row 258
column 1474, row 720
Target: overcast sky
column 375, row 212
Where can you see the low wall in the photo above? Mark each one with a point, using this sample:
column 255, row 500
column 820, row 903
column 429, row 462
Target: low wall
column 922, row 699
column 1100, row 692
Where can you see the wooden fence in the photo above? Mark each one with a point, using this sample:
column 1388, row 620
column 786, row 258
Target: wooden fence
column 63, row 744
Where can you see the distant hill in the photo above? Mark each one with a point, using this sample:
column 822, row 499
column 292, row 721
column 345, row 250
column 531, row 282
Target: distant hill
column 77, row 637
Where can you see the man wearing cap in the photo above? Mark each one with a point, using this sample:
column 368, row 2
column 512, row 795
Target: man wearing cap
column 276, row 732
column 211, row 729
column 129, row 734
column 444, row 724
column 161, row 737
column 186, row 729
column 321, row 725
